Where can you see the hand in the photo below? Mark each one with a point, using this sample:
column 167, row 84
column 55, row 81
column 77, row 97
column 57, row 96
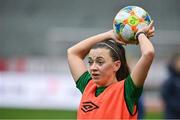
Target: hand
column 148, row 30
column 115, row 37
column 151, row 30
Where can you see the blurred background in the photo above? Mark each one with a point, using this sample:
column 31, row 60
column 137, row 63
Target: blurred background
column 35, row 81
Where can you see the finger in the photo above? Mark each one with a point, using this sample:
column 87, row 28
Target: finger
column 153, row 28
column 151, row 35
column 119, row 39
column 150, row 32
column 122, row 43
column 151, row 25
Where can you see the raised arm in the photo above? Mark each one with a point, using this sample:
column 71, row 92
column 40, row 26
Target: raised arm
column 140, row 71
column 78, row 52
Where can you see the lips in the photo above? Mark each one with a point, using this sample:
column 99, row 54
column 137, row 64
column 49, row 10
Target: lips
column 95, row 75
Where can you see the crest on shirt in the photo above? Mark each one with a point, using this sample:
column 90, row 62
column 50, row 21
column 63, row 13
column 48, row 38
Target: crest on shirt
column 88, row 106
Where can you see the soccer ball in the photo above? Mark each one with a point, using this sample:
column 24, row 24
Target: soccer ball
column 128, row 20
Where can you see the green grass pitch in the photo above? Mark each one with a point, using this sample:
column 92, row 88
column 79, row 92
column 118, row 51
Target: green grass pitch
column 15, row 113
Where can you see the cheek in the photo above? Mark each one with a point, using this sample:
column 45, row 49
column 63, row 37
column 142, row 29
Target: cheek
column 106, row 69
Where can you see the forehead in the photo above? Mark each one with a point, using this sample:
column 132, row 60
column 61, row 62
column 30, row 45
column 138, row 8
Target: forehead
column 99, row 52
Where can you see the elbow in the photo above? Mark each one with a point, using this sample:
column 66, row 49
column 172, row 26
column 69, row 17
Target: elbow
column 69, row 51
column 149, row 54
column 74, row 52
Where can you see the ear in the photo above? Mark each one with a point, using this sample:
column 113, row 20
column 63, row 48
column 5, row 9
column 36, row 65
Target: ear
column 117, row 65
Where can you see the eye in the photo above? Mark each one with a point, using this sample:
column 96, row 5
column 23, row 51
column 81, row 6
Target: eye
column 100, row 63
column 90, row 62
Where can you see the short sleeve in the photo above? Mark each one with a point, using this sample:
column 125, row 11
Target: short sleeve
column 83, row 81
column 132, row 94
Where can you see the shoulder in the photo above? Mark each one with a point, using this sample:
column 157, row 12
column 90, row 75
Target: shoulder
column 83, row 81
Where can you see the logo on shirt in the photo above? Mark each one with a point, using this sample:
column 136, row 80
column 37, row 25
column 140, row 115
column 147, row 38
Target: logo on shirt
column 88, row 106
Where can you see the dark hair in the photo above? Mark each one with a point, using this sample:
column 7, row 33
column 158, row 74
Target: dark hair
column 117, row 52
column 171, row 65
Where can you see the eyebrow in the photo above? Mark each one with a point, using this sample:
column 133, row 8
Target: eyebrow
column 89, row 57
column 99, row 57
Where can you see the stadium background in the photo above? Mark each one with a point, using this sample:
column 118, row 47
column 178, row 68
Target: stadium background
column 35, row 81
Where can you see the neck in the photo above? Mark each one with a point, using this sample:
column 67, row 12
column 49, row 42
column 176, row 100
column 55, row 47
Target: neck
column 108, row 83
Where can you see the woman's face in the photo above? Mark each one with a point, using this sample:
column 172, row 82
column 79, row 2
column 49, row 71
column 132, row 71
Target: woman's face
column 102, row 67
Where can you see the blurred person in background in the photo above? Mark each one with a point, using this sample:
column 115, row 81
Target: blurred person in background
column 109, row 90
column 141, row 107
column 170, row 90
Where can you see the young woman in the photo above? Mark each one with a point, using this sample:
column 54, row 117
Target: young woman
column 109, row 90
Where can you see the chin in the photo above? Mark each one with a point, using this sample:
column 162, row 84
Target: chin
column 98, row 82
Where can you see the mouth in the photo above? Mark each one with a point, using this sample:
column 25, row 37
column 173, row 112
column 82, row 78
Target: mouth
column 95, row 76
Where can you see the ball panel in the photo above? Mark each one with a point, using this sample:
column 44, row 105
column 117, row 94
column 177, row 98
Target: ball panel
column 127, row 32
column 141, row 25
column 118, row 27
column 121, row 16
column 139, row 12
column 127, row 9
column 147, row 18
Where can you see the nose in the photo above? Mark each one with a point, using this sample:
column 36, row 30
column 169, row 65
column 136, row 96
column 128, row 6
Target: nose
column 93, row 66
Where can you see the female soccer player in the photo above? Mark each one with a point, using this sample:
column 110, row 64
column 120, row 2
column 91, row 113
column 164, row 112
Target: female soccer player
column 109, row 90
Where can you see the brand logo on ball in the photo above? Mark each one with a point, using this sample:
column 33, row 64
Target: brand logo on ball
column 133, row 20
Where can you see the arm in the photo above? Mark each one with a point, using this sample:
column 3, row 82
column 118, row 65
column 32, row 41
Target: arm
column 140, row 71
column 78, row 52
